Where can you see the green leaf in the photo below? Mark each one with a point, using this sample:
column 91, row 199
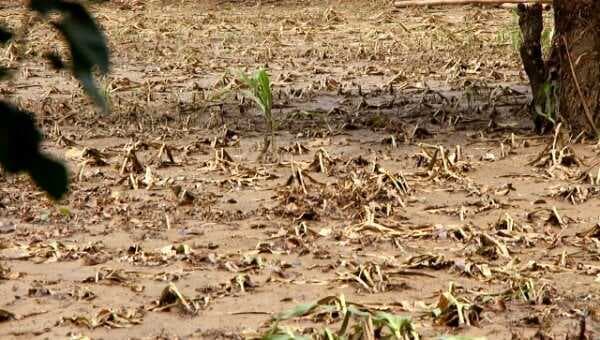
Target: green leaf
column 19, row 139
column 19, row 151
column 355, row 311
column 285, row 337
column 277, row 333
column 299, row 310
column 65, row 211
column 86, row 42
column 265, row 89
column 55, row 60
column 260, row 90
column 398, row 325
column 89, row 85
column 50, row 175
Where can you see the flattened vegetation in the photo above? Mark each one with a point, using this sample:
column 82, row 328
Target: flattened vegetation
column 409, row 197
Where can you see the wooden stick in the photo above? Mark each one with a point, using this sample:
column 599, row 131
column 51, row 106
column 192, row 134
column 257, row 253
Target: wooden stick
column 408, row 3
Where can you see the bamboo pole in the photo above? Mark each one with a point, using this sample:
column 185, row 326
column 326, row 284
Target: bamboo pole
column 409, row 3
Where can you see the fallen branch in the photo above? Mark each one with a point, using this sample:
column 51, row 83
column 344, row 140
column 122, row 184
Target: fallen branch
column 408, row 3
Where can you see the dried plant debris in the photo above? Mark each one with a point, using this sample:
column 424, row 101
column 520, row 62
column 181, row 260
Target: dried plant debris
column 6, row 273
column 171, row 298
column 55, row 251
column 593, row 232
column 405, row 161
column 374, row 188
column 157, row 257
column 441, row 164
column 375, row 278
column 506, row 226
column 6, row 316
column 430, row 261
column 559, row 154
column 456, row 311
column 534, row 293
column 116, row 277
column 549, row 216
column 323, row 162
column 108, row 318
column 576, row 194
column 296, row 148
column 473, row 269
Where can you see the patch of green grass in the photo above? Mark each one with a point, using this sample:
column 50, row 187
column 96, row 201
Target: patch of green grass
column 511, row 34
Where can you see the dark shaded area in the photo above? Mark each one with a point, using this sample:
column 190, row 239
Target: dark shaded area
column 541, row 79
column 4, row 35
column 19, row 151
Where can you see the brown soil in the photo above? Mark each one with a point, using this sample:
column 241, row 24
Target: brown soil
column 406, row 164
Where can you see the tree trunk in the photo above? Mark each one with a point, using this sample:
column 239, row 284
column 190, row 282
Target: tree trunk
column 531, row 22
column 577, row 45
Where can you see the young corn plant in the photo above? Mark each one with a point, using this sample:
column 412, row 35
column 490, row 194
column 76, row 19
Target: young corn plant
column 260, row 91
column 354, row 322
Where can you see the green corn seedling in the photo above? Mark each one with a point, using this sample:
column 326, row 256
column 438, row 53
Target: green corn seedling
column 259, row 85
column 355, row 322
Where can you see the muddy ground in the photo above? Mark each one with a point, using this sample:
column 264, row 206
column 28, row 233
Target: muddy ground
column 408, row 180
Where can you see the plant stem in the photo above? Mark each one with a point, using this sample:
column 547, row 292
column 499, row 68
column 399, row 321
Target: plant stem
column 272, row 130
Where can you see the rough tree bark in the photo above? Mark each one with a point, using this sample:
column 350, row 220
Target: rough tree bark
column 577, row 44
column 538, row 71
column 567, row 85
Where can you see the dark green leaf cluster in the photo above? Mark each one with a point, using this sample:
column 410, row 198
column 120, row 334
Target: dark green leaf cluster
column 19, row 151
column 19, row 138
